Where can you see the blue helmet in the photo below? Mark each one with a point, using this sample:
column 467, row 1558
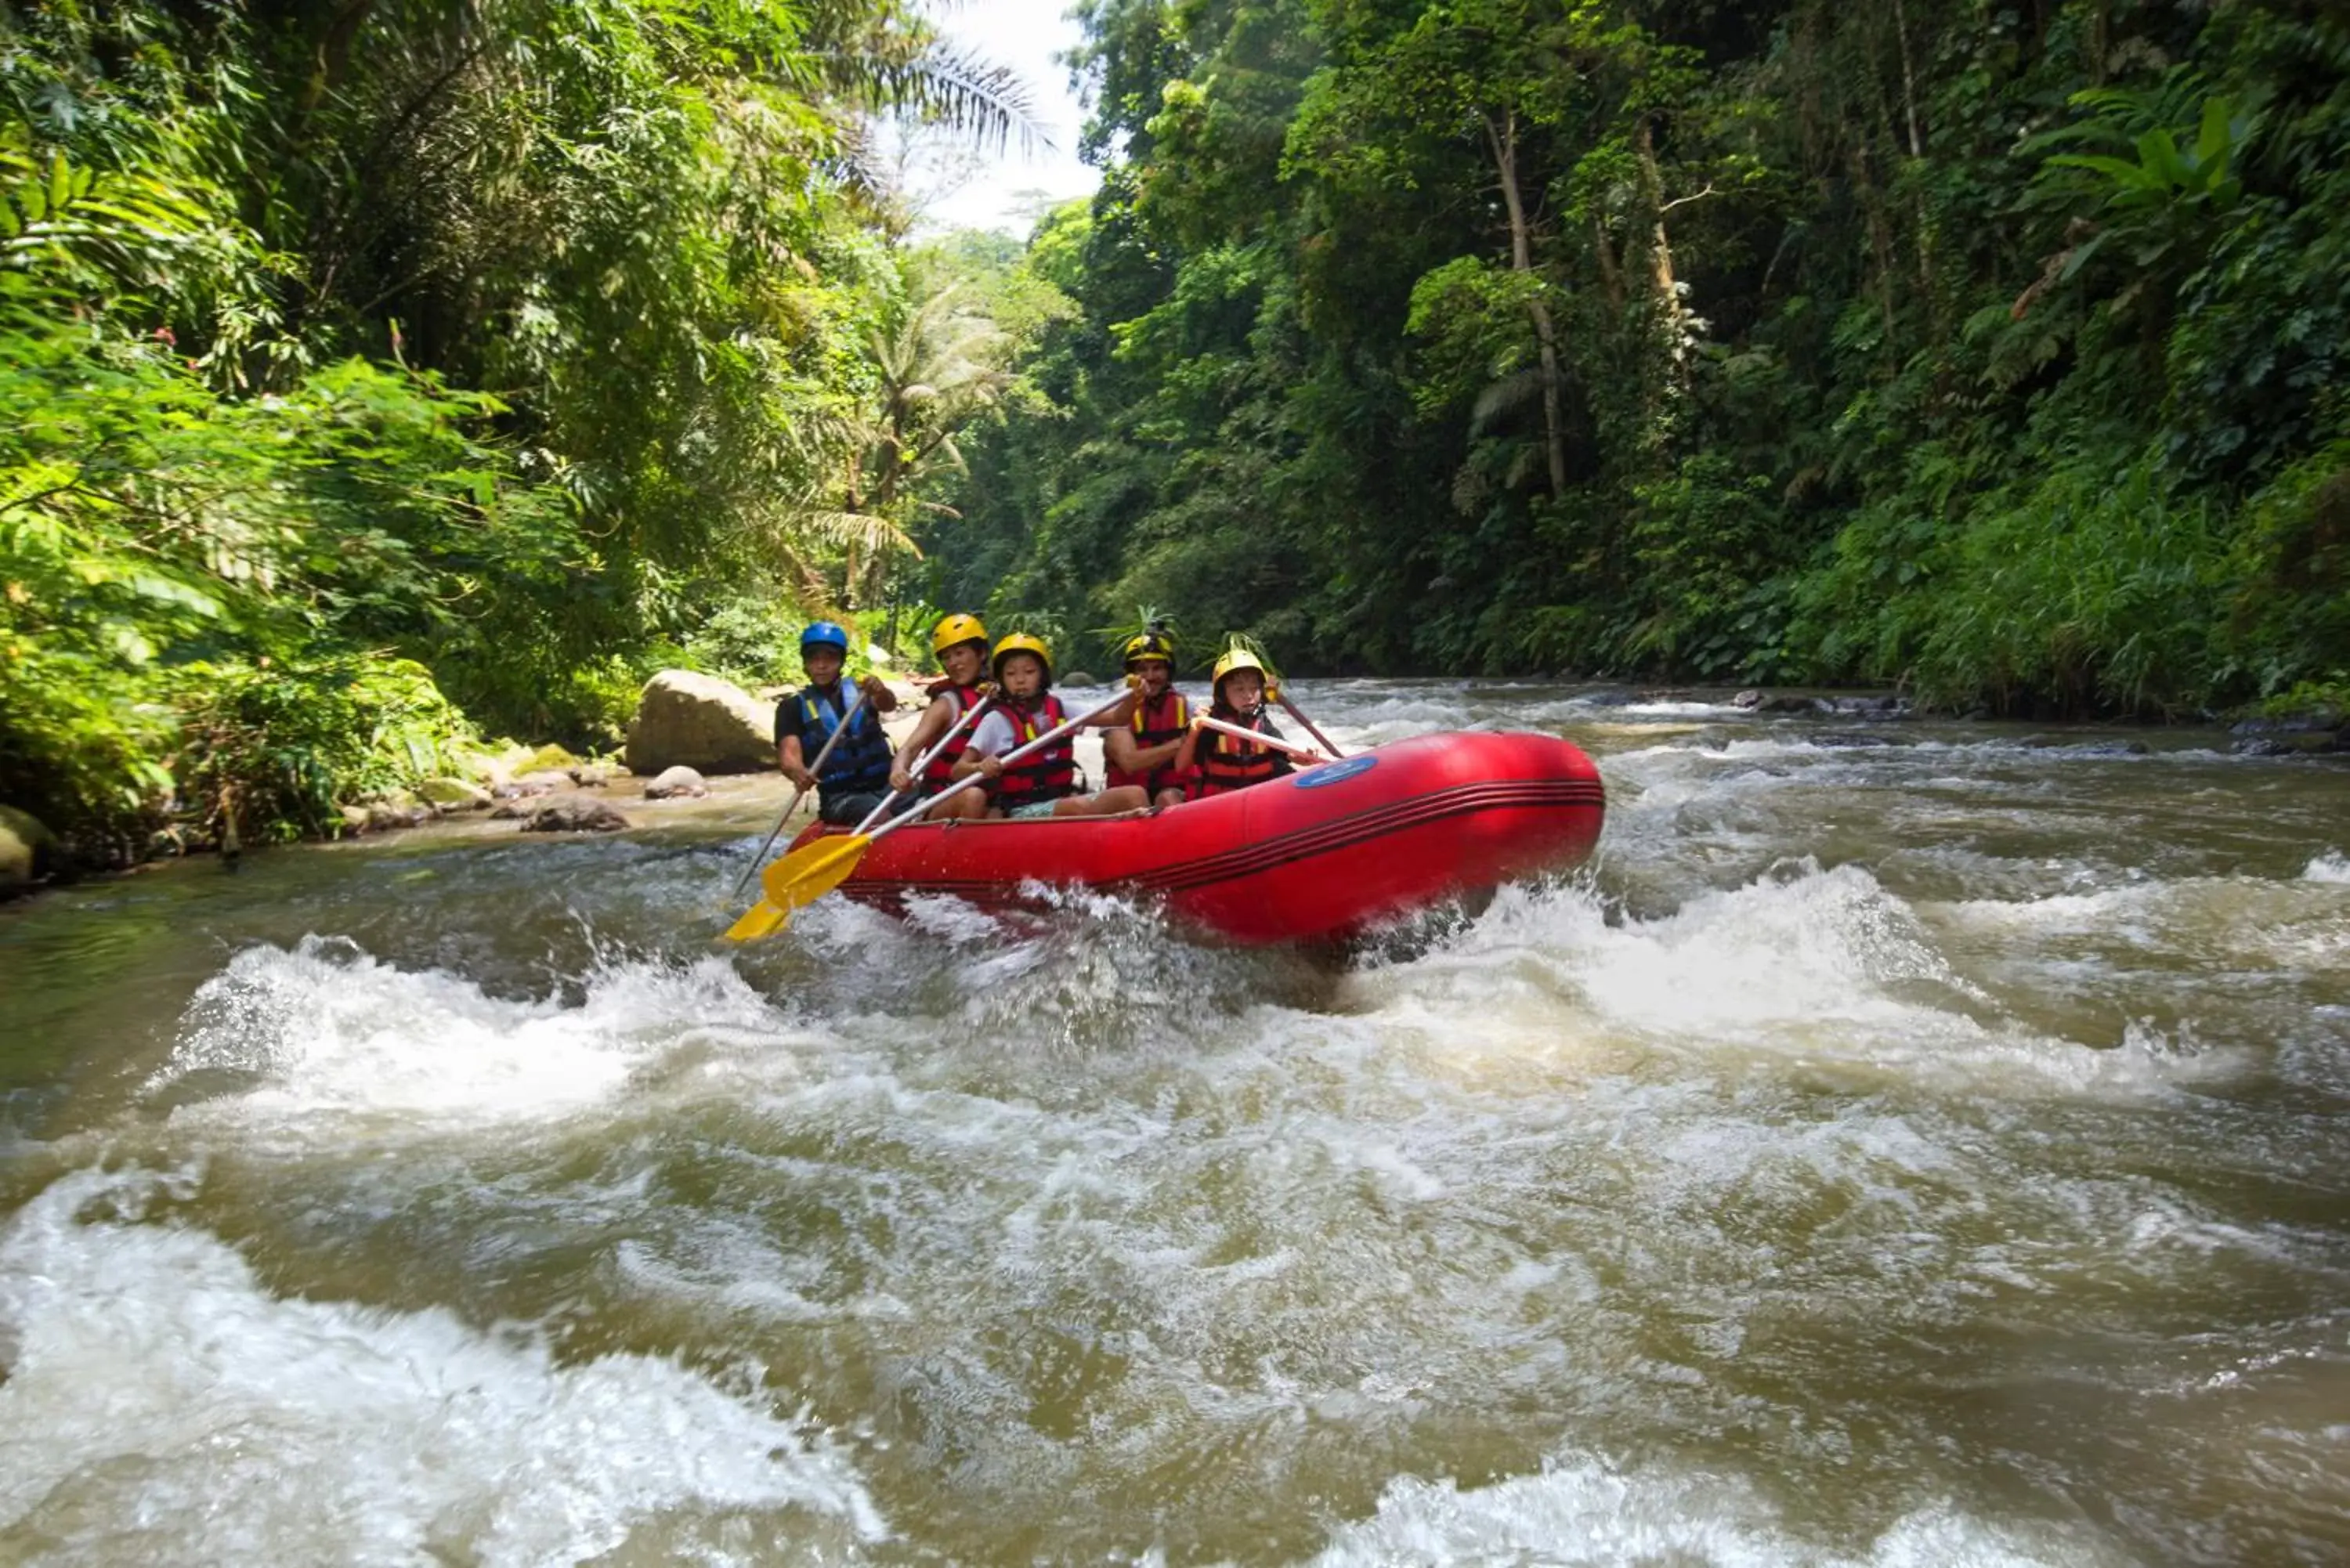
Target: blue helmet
column 824, row 634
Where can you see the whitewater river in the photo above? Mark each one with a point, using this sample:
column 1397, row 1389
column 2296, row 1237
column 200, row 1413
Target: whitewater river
column 1904, row 1144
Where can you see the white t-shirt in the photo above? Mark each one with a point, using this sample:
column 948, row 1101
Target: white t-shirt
column 994, row 735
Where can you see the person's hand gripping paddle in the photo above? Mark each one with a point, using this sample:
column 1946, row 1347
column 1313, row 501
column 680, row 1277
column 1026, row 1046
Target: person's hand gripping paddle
column 1306, row 754
column 971, row 716
column 812, row 870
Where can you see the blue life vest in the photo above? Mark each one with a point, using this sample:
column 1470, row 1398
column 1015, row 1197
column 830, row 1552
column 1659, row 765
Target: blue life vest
column 860, row 764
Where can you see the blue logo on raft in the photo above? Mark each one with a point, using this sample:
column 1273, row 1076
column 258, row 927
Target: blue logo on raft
column 1337, row 773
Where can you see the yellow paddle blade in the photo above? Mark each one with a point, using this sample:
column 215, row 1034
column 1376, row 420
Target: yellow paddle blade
column 761, row 919
column 798, row 880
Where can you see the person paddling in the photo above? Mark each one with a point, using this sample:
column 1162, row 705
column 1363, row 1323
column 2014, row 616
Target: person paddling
column 1141, row 752
column 1044, row 784
column 857, row 774
column 1227, row 763
column 959, row 642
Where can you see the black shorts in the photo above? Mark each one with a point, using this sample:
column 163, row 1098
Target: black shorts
column 848, row 810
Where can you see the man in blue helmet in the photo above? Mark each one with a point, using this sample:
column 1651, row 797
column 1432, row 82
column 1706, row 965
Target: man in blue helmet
column 857, row 774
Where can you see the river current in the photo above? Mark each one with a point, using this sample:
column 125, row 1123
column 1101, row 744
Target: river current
column 1907, row 1143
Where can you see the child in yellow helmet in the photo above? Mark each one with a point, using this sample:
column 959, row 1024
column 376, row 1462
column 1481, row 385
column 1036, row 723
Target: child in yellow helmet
column 1227, row 763
column 960, row 641
column 1045, row 783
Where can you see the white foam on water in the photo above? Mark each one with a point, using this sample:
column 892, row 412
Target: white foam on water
column 1810, row 965
column 1578, row 1510
column 2208, row 922
column 160, row 1405
column 2329, row 866
column 325, row 1043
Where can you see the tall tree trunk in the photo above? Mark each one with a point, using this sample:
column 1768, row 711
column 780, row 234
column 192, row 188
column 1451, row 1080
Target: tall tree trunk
column 1611, row 275
column 1503, row 140
column 1669, row 311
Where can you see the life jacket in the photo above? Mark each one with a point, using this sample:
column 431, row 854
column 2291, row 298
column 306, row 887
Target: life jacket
column 1227, row 763
column 1155, row 726
column 860, row 764
column 941, row 771
column 1046, row 775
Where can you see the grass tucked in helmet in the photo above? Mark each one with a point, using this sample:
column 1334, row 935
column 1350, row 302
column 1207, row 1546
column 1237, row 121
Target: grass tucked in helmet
column 1150, row 635
column 1242, row 651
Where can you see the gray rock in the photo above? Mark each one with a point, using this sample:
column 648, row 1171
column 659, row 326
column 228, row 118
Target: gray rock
column 28, row 851
column 454, row 794
column 1080, row 678
column 2290, row 743
column 689, row 719
column 385, row 814
column 673, row 783
column 2289, row 724
column 572, row 813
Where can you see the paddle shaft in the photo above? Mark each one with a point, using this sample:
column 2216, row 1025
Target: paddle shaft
column 1206, row 722
column 1326, row 744
column 1018, row 753
column 970, row 717
column 856, row 706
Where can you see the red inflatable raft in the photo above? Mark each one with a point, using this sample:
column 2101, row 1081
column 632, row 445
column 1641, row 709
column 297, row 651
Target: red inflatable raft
column 1320, row 853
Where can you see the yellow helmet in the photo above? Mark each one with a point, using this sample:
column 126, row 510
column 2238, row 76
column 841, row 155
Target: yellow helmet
column 1241, row 658
column 956, row 628
column 1020, row 642
column 1151, row 644
column 1238, row 659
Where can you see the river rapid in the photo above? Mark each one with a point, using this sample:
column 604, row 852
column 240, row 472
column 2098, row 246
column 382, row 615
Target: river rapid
column 1905, row 1144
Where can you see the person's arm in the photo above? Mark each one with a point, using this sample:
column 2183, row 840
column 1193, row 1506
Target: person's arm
column 1124, row 752
column 878, row 695
column 927, row 729
column 789, row 757
column 992, row 736
column 1186, row 750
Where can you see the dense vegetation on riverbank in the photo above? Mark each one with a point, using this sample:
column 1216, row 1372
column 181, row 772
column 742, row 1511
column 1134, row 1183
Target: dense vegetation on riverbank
column 1995, row 349
column 374, row 371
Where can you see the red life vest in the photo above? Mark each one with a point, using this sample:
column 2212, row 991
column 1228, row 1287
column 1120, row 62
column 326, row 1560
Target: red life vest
column 940, row 772
column 1155, row 725
column 1227, row 763
column 1047, row 774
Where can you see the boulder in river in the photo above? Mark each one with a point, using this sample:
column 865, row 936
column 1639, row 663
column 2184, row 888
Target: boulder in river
column 674, row 782
column 574, row 814
column 695, row 721
column 454, row 794
column 28, row 850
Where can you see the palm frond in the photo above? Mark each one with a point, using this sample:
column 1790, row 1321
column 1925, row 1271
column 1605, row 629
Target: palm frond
column 862, row 530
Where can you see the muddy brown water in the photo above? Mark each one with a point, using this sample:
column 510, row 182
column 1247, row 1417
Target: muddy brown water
column 1904, row 1144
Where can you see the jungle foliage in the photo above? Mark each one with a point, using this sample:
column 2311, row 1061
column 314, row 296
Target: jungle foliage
column 1993, row 348
column 375, row 371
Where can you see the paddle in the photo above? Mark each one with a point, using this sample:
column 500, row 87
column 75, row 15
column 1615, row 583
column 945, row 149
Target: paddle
column 800, row 793
column 812, row 870
column 1290, row 708
column 1302, row 752
column 971, row 716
